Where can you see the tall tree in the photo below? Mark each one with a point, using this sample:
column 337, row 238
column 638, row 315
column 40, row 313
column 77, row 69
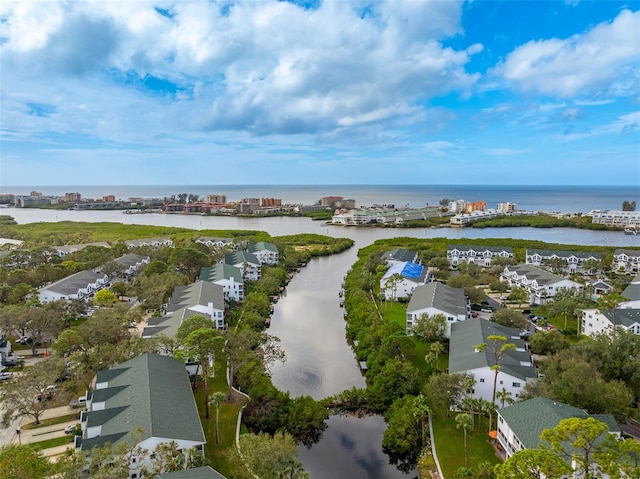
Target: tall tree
column 578, row 440
column 23, row 462
column 464, row 422
column 243, row 346
column 216, row 398
column 202, row 344
column 533, row 464
column 496, row 346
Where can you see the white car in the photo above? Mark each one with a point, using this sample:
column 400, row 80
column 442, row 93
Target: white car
column 5, row 376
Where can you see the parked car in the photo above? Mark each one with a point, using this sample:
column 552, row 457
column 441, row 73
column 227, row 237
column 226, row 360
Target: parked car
column 526, row 334
column 71, row 429
column 23, row 340
column 486, row 310
column 5, row 376
column 474, row 314
column 80, row 402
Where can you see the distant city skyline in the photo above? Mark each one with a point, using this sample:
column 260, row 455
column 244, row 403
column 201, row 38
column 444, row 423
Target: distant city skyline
column 319, row 92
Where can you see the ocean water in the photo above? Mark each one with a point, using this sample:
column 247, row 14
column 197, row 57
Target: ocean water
column 544, row 198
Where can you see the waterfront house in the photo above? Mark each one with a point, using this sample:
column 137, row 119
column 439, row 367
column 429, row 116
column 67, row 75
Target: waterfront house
column 81, row 285
column 599, row 287
column 521, row 424
column 147, row 398
column 247, row 262
column 595, row 321
column 462, row 219
column 72, row 248
column 7, row 357
column 402, row 278
column 479, row 255
column 202, row 298
column 131, row 263
column 572, row 261
column 400, row 255
column 626, row 260
column 227, row 276
column 152, row 242
column 541, row 285
column 615, row 218
column 266, row 253
column 354, row 217
column 516, row 366
column 215, row 242
column 437, row 298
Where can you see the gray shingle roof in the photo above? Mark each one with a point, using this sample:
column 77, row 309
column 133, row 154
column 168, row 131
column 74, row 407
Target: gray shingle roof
column 70, row 248
column 527, row 419
column 481, row 249
column 130, row 259
column 545, row 253
column 205, row 472
column 632, row 292
column 186, row 301
column 625, row 317
column 440, row 296
column 154, row 394
column 465, row 335
column 633, row 253
column 543, row 277
column 400, row 254
column 71, row 284
column 219, row 272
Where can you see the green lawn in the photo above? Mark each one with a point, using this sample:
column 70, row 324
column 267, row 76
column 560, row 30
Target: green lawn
column 449, row 442
column 51, row 422
column 55, row 442
column 218, row 454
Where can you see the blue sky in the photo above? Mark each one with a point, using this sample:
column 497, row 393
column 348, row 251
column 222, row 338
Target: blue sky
column 319, row 92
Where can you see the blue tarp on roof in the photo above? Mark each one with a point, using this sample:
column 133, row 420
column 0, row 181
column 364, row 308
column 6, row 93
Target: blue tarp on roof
column 412, row 270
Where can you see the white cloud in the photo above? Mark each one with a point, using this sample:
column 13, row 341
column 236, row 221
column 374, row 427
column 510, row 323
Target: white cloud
column 262, row 67
column 604, row 58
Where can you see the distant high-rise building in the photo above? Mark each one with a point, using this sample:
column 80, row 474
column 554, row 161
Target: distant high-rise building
column 72, row 197
column 266, row 202
column 216, row 198
column 507, row 207
column 330, row 200
column 108, row 199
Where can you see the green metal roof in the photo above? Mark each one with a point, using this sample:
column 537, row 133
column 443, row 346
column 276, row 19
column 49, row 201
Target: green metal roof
column 262, row 245
column 527, row 419
column 241, row 257
column 632, row 291
column 153, row 394
column 219, row 272
column 463, row 356
column 626, row 316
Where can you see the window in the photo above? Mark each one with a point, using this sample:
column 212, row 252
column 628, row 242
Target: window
column 481, row 380
column 501, row 382
column 516, row 385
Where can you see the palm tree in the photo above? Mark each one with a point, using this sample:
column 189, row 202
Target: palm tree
column 437, row 348
column 463, row 420
column 215, row 399
column 497, row 347
column 504, row 396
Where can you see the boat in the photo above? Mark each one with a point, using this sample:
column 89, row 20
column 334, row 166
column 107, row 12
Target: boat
column 632, row 230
